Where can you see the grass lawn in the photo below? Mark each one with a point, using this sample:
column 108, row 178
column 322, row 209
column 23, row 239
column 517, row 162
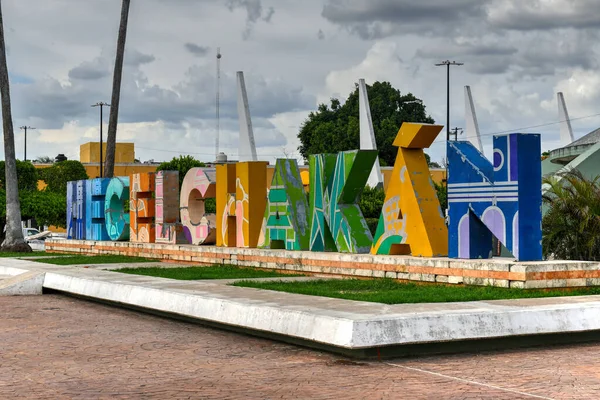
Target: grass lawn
column 389, row 291
column 99, row 259
column 214, row 272
column 32, row 254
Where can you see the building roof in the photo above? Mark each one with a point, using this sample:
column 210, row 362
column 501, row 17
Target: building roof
column 591, row 138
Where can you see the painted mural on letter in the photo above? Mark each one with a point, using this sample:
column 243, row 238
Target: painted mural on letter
column 199, row 227
column 142, row 208
column 411, row 220
column 285, row 223
column 503, row 199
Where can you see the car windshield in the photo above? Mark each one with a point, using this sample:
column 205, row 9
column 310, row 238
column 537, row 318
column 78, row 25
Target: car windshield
column 32, row 232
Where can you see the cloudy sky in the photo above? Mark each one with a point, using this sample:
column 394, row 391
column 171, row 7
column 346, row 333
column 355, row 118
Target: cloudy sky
column 295, row 54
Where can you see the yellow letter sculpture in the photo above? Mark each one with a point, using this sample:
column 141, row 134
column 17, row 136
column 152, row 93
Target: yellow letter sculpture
column 241, row 202
column 412, row 221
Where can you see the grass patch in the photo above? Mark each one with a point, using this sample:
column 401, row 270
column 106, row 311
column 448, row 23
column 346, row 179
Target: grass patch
column 12, row 254
column 100, row 259
column 6, row 254
column 214, row 272
column 389, row 291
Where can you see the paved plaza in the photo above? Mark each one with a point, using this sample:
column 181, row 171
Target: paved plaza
column 55, row 347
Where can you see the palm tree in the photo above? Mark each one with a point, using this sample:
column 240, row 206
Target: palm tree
column 571, row 226
column 111, row 139
column 13, row 240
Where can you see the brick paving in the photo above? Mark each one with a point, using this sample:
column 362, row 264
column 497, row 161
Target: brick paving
column 54, row 347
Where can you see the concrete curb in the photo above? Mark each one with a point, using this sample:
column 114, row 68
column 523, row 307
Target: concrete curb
column 340, row 324
column 25, row 284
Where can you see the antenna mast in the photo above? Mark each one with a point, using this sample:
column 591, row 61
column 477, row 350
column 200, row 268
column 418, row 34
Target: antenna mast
column 218, row 101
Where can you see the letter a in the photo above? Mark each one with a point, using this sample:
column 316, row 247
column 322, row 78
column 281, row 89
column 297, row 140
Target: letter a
column 411, row 221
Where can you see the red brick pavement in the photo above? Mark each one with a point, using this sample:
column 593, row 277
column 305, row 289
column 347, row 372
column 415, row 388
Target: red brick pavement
column 54, row 347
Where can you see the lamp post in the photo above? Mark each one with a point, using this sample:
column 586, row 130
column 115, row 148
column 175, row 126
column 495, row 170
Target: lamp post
column 447, row 63
column 25, row 127
column 101, row 104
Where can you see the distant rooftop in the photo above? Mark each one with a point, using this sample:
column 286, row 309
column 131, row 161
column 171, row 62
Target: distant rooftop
column 591, row 138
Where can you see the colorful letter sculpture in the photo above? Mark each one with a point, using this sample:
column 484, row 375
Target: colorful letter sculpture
column 503, row 199
column 71, row 202
column 321, row 167
column 141, row 208
column 241, row 202
column 96, row 196
column 117, row 220
column 80, row 209
column 334, row 205
column 285, row 224
column 412, row 221
column 198, row 185
column 168, row 227
column 226, row 222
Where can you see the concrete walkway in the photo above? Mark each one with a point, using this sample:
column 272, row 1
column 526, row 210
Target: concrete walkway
column 347, row 326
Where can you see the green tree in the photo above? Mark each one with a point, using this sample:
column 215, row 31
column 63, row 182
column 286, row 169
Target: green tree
column 182, row 164
column 57, row 176
column 113, row 119
column 440, row 190
column 431, row 164
column 26, row 172
column 13, row 239
column 336, row 128
column 46, row 208
column 571, row 226
column 44, row 160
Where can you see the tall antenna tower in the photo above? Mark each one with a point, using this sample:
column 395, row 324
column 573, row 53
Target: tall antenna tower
column 218, row 101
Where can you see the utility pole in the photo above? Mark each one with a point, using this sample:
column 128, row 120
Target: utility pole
column 25, row 127
column 447, row 63
column 101, row 104
column 218, row 102
column 455, row 132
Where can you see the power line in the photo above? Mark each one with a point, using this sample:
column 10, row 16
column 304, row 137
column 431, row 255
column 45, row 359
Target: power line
column 524, row 128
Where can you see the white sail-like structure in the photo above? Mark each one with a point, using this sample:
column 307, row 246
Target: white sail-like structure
column 246, row 147
column 566, row 132
column 472, row 126
column 367, row 135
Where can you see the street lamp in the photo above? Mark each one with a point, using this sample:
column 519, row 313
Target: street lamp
column 101, row 104
column 25, row 127
column 447, row 63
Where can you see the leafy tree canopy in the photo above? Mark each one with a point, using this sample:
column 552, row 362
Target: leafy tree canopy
column 45, row 160
column 336, row 128
column 182, row 164
column 45, row 207
column 27, row 175
column 57, row 176
column 571, row 226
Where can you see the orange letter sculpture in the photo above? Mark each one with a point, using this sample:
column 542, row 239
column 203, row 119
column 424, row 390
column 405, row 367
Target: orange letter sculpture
column 141, row 208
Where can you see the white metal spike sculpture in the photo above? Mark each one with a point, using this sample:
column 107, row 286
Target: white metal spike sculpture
column 472, row 126
column 367, row 135
column 566, row 132
column 247, row 147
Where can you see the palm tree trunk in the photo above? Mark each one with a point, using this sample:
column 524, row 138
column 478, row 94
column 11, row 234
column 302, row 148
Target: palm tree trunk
column 111, row 139
column 13, row 240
